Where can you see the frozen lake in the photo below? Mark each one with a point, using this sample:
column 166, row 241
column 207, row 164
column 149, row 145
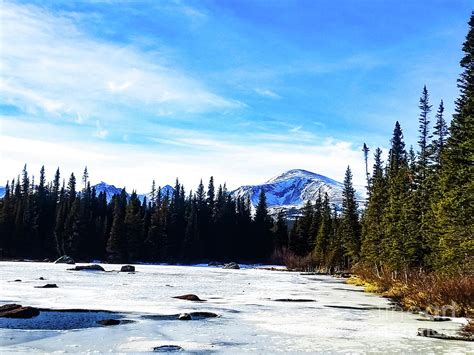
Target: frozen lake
column 339, row 318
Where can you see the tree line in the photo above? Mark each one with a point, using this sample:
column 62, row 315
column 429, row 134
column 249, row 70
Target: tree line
column 52, row 219
column 419, row 212
column 420, row 209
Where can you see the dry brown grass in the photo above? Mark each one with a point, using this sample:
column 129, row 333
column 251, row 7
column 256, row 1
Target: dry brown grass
column 468, row 329
column 420, row 291
column 295, row 262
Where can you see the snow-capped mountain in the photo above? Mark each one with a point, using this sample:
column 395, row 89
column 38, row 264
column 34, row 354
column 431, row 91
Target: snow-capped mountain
column 111, row 190
column 290, row 191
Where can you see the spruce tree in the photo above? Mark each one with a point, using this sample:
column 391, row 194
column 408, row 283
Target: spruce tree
column 417, row 204
column 153, row 194
column 85, row 178
column 424, row 134
column 372, row 220
column 316, row 222
column 350, row 220
column 281, row 232
column 116, row 241
column 440, row 134
column 133, row 228
column 71, row 189
column 262, row 227
column 455, row 210
column 304, row 240
column 366, row 150
column 324, row 233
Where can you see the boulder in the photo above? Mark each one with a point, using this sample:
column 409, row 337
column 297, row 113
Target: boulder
column 425, row 332
column 189, row 297
column 198, row 314
column 65, row 260
column 167, row 348
column 231, row 265
column 47, row 286
column 17, row 280
column 184, row 316
column 17, row 311
column 93, row 267
column 127, row 268
column 431, row 333
column 9, row 307
column 42, row 278
column 108, row 322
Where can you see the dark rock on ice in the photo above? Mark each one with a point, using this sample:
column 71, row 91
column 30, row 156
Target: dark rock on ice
column 167, row 348
column 108, row 322
column 431, row 333
column 17, row 311
column 197, row 315
column 189, row 297
column 93, row 267
column 127, row 268
column 47, row 286
column 435, row 319
column 9, row 307
column 184, row 316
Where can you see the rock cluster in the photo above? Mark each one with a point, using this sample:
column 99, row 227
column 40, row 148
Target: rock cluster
column 18, row 311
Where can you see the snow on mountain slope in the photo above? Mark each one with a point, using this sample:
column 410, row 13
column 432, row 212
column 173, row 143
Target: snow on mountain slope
column 111, row 190
column 2, row 191
column 291, row 190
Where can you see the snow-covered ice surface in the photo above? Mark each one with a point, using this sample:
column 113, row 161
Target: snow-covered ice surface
column 250, row 318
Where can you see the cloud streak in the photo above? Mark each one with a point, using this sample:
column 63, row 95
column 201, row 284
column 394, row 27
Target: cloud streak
column 267, row 93
column 193, row 155
column 50, row 66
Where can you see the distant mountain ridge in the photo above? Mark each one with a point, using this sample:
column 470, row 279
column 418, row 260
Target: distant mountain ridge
column 290, row 191
column 111, row 190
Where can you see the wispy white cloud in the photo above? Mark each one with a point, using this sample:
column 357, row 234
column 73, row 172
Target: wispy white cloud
column 100, row 131
column 186, row 154
column 48, row 65
column 267, row 93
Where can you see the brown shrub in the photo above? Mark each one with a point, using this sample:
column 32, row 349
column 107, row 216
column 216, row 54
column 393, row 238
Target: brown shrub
column 415, row 289
column 295, row 262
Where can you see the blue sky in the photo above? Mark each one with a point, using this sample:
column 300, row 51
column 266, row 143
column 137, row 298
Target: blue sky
column 242, row 90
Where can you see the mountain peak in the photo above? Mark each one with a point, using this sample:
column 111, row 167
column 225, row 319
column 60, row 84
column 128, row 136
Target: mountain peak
column 302, row 174
column 289, row 191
